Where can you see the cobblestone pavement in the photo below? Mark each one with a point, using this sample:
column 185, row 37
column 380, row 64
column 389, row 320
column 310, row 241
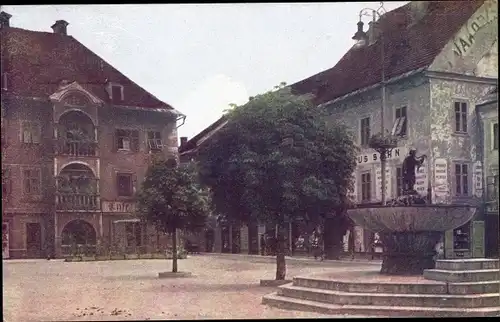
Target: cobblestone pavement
column 223, row 287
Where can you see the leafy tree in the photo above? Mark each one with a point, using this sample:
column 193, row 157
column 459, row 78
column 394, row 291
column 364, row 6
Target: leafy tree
column 277, row 159
column 172, row 198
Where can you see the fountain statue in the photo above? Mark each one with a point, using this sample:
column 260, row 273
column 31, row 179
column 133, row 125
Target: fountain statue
column 410, row 226
column 409, row 164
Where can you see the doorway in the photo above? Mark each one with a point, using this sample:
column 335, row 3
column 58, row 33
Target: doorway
column 34, row 240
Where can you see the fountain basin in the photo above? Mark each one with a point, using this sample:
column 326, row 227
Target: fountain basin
column 410, row 233
column 439, row 218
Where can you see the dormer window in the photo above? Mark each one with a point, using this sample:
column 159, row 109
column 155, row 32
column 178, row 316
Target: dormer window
column 115, row 92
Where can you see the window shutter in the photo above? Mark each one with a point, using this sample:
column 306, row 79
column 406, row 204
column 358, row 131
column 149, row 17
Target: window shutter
column 36, row 133
column 26, row 181
column 134, row 141
column 115, row 139
column 134, row 183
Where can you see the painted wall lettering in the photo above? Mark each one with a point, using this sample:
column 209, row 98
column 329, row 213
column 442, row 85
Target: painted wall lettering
column 369, row 158
column 486, row 15
column 118, row 206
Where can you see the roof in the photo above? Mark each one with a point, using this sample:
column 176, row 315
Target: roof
column 408, row 45
column 37, row 62
column 195, row 141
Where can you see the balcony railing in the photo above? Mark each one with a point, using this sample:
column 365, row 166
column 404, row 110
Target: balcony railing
column 76, row 148
column 77, row 201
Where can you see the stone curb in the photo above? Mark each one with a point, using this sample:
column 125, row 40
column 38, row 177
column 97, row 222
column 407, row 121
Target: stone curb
column 303, row 259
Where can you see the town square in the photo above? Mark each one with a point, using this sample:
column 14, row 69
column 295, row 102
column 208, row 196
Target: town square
column 250, row 160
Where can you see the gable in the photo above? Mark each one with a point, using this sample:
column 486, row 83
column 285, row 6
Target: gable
column 74, row 94
column 470, row 50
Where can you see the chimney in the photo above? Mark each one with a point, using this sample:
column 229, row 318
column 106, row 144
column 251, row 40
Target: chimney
column 4, row 19
column 418, row 9
column 60, row 27
column 184, row 140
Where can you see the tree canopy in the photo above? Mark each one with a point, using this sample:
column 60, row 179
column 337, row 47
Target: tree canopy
column 278, row 158
column 172, row 198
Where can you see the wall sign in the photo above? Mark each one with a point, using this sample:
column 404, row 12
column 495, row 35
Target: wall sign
column 441, row 186
column 118, row 206
column 378, row 183
column 477, row 176
column 359, row 239
column 374, row 157
column 421, row 181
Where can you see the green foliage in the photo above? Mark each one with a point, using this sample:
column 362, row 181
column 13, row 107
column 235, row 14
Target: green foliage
column 278, row 158
column 172, row 198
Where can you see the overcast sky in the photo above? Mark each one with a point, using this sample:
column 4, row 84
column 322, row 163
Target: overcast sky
column 199, row 58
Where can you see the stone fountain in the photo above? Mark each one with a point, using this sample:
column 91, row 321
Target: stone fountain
column 409, row 226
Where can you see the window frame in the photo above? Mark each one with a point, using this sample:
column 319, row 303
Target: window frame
column 157, row 142
column 494, row 137
column 367, row 184
column 399, row 181
column 133, row 139
column 364, row 130
column 6, row 183
column 461, row 117
column 113, row 97
column 29, row 179
column 136, row 231
column 400, row 126
column 118, row 186
column 458, row 183
column 34, row 129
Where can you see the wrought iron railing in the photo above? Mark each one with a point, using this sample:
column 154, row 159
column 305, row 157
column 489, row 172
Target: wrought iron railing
column 77, row 201
column 77, row 148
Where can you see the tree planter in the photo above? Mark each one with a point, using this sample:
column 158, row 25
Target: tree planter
column 159, row 256
column 117, row 257
column 88, row 258
column 274, row 283
column 174, row 275
column 73, row 259
column 131, row 256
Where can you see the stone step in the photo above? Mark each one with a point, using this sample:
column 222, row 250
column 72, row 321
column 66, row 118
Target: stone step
column 388, row 299
column 426, row 287
column 283, row 302
column 462, row 276
column 482, row 287
column 367, row 287
column 467, row 264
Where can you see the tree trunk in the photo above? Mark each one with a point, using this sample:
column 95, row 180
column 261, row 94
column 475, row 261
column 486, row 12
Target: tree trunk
column 174, row 251
column 280, row 253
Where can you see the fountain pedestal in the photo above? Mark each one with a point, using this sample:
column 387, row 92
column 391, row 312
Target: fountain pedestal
column 408, row 253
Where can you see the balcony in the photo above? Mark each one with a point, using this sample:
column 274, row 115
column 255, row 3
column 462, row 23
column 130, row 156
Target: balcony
column 77, row 201
column 76, row 148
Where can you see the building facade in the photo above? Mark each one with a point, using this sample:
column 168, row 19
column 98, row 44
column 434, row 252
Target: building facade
column 487, row 113
column 77, row 138
column 436, row 75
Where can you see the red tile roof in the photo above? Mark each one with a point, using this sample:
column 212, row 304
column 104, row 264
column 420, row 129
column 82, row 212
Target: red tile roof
column 36, row 62
column 408, row 46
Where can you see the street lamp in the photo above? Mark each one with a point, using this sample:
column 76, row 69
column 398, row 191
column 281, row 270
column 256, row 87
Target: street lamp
column 363, row 40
